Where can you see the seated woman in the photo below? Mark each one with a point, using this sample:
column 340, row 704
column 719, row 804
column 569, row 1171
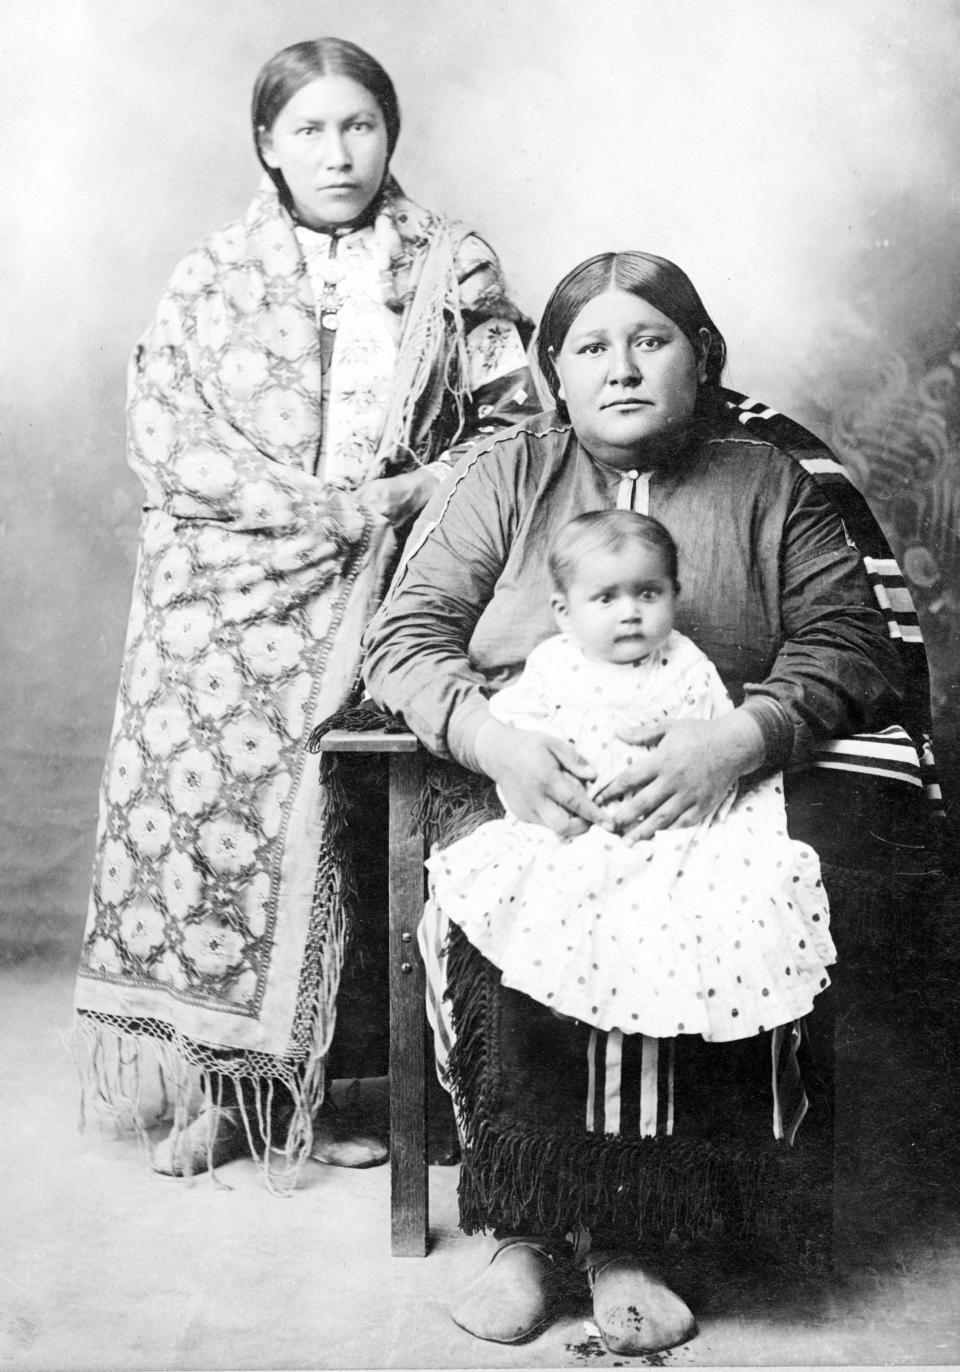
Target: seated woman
column 621, row 1139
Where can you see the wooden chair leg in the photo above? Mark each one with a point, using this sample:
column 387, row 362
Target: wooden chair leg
column 408, row 1134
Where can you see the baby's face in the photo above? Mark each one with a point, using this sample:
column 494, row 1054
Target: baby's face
column 619, row 605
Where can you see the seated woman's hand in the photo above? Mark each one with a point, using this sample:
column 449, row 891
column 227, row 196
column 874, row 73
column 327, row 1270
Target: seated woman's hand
column 398, row 499
column 681, row 779
column 541, row 779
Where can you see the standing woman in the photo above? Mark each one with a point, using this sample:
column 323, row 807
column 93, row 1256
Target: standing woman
column 291, row 406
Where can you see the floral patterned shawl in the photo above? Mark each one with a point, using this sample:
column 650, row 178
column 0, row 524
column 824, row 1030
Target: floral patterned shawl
column 256, row 575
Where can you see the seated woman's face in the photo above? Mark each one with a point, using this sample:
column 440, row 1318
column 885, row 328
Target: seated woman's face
column 629, row 377
column 330, row 144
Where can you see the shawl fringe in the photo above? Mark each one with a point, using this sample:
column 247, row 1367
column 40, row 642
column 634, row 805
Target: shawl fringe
column 125, row 1063
column 141, row 1075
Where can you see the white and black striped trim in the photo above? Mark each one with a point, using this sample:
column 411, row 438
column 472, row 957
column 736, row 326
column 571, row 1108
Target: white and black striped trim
column 432, row 935
column 748, row 409
column 889, row 753
column 928, row 771
column 630, row 1085
column 790, row 1101
column 894, row 598
column 824, row 466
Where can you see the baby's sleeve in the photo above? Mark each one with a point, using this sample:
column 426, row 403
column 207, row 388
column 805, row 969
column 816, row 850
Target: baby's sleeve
column 703, row 694
column 529, row 702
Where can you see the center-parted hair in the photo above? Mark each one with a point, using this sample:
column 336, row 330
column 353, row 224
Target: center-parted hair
column 654, row 279
column 607, row 531
column 295, row 67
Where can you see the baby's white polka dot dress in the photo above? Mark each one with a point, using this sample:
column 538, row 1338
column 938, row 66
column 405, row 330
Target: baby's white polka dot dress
column 720, row 930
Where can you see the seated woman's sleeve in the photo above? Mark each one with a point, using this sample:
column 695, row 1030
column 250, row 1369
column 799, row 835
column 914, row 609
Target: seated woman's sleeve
column 890, row 590
column 417, row 664
column 837, row 671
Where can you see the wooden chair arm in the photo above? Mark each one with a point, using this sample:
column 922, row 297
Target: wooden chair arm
column 376, row 741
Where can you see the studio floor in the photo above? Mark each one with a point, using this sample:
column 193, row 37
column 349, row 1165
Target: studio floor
column 105, row 1265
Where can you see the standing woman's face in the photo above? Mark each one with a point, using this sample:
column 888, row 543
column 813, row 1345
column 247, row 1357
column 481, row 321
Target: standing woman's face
column 629, row 376
column 329, row 142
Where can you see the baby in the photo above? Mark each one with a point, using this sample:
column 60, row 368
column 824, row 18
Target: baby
column 719, row 929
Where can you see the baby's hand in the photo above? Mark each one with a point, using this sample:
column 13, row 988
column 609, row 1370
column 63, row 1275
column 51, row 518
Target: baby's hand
column 607, row 806
column 687, row 774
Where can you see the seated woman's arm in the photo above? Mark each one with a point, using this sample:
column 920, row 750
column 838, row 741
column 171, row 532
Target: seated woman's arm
column 890, row 591
column 418, row 663
column 836, row 672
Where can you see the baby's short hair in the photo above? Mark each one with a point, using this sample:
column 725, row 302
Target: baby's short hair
column 607, row 530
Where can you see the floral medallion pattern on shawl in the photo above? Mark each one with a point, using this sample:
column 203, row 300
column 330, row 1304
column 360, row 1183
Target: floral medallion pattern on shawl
column 253, row 583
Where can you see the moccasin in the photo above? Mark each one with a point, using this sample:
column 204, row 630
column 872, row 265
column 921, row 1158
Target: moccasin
column 513, row 1297
column 215, row 1137
column 340, row 1141
column 636, row 1312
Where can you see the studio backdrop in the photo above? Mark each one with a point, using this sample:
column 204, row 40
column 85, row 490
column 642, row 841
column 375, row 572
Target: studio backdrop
column 799, row 160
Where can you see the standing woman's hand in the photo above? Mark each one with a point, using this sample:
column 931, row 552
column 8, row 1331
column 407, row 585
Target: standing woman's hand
column 541, row 778
column 399, row 499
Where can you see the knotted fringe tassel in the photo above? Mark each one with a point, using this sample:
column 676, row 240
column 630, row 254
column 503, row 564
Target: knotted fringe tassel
column 138, row 1080
column 651, row 1188
column 454, row 803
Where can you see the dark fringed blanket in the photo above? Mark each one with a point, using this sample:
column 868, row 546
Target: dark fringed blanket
column 520, row 1077
column 518, row 1072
